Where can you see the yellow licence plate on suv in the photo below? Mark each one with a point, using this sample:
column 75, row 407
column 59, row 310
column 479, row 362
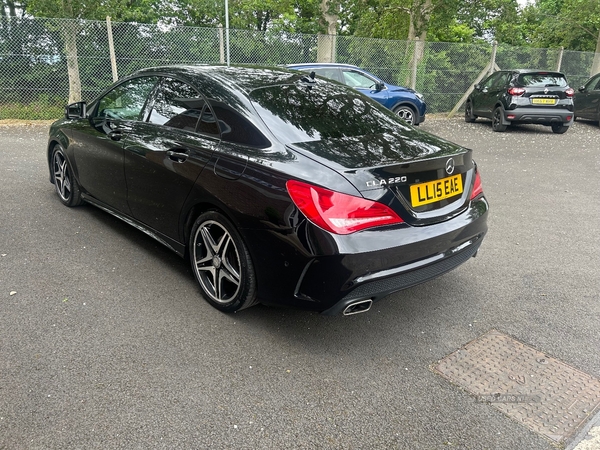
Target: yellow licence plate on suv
column 433, row 191
column 543, row 101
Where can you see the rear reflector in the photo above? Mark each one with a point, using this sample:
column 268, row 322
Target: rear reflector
column 336, row 212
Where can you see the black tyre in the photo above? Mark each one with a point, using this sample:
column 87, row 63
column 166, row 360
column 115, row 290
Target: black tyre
column 497, row 120
column 65, row 183
column 559, row 128
column 469, row 116
column 221, row 263
column 406, row 113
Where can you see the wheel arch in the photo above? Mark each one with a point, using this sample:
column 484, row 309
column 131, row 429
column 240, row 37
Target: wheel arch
column 196, row 211
column 406, row 103
column 50, row 152
column 58, row 139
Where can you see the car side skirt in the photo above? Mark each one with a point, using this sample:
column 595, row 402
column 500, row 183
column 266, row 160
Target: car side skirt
column 171, row 244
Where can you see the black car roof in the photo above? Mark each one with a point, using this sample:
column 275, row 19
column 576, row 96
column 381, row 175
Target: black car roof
column 244, row 78
column 522, row 71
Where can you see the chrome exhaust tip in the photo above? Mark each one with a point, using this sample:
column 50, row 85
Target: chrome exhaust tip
column 358, row 307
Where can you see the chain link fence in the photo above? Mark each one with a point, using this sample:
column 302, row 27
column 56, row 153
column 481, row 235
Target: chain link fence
column 37, row 54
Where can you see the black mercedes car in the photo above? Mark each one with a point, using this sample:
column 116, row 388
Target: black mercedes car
column 279, row 188
column 511, row 97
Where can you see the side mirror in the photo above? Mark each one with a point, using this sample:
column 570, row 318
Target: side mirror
column 379, row 86
column 477, row 87
column 76, row 110
column 582, row 89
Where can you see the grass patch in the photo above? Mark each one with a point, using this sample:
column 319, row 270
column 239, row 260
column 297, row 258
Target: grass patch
column 41, row 110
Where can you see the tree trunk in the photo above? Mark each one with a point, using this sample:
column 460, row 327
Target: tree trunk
column 326, row 42
column 417, row 31
column 12, row 9
column 70, row 37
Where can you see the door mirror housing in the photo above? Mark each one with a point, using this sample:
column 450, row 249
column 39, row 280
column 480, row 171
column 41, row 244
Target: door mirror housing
column 581, row 88
column 477, row 87
column 379, row 86
column 76, row 110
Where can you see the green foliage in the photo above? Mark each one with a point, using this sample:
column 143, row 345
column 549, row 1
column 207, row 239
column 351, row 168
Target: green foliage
column 572, row 24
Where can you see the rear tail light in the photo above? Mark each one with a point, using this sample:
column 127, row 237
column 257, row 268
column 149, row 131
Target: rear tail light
column 339, row 213
column 477, row 188
column 569, row 92
column 516, row 91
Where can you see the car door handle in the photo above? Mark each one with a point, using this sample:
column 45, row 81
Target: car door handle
column 177, row 156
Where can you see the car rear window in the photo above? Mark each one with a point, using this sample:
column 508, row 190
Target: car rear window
column 542, row 80
column 301, row 112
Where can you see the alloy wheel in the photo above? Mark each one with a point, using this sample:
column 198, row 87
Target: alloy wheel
column 406, row 114
column 497, row 120
column 217, row 262
column 62, row 176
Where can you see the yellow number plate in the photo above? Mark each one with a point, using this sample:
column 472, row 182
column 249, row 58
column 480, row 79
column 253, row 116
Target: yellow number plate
column 433, row 191
column 543, row 101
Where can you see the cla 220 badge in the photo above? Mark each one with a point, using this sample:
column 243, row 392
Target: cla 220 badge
column 386, row 182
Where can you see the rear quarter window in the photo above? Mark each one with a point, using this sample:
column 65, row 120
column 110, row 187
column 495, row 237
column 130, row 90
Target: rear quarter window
column 236, row 128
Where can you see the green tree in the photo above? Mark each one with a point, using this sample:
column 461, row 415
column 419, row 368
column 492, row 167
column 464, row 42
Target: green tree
column 573, row 24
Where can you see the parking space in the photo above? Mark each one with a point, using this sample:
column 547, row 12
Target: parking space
column 106, row 343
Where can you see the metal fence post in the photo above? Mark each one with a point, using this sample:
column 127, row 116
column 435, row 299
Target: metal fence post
column 111, row 49
column 221, row 44
column 493, row 60
column 415, row 63
column 596, row 63
column 560, row 57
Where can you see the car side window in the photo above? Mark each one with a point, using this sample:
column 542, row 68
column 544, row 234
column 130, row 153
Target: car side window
column 594, row 85
column 357, row 79
column 330, row 72
column 127, row 100
column 495, row 81
column 489, row 81
column 236, row 128
column 502, row 81
column 177, row 105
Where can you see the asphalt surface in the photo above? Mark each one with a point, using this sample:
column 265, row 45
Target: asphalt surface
column 106, row 342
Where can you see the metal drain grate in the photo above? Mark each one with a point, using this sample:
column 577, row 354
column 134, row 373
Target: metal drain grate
column 545, row 394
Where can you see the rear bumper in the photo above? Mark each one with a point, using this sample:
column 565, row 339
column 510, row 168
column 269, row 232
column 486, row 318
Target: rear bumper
column 328, row 272
column 543, row 116
column 407, row 277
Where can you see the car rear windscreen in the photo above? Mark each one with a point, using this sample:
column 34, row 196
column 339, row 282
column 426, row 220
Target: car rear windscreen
column 542, row 80
column 303, row 112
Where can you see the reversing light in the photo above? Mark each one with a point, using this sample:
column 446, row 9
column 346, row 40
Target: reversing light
column 339, row 213
column 477, row 188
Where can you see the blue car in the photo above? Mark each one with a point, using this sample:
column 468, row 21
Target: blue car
column 405, row 102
